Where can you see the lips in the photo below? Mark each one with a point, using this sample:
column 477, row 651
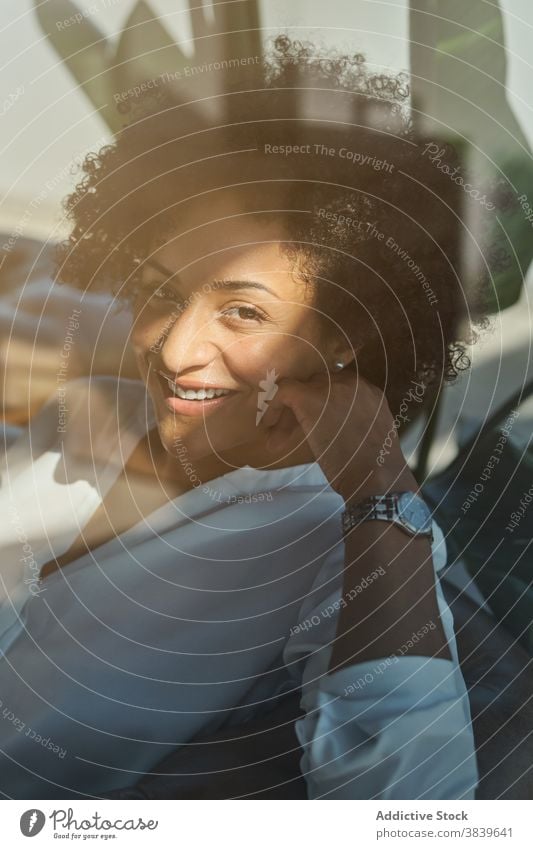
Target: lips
column 189, row 401
column 194, row 391
column 195, row 394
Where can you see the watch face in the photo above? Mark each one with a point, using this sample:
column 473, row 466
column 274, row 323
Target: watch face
column 414, row 513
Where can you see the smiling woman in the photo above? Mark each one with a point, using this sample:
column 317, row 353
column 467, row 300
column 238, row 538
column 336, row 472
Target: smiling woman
column 279, row 318
column 237, row 311
column 378, row 249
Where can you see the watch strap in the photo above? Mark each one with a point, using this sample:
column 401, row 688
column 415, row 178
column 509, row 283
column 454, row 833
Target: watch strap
column 383, row 508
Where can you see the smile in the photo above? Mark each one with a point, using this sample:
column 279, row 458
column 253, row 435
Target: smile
column 194, row 394
column 200, row 401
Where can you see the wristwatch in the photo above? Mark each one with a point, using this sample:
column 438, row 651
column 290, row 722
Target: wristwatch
column 405, row 509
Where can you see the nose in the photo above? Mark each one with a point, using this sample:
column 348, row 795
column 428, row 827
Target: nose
column 191, row 342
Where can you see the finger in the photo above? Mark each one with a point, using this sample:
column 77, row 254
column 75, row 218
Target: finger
column 282, row 432
column 274, row 407
column 307, row 402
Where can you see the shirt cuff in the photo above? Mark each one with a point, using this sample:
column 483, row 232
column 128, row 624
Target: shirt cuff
column 391, row 728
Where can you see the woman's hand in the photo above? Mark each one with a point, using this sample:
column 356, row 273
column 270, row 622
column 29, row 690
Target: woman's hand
column 345, row 421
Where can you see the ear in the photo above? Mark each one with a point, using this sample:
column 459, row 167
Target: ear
column 339, row 350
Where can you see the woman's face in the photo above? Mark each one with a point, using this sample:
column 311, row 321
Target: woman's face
column 229, row 316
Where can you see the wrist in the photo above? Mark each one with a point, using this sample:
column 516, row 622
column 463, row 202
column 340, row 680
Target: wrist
column 379, row 482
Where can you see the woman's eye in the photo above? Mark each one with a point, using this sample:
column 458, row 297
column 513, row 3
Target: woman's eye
column 245, row 313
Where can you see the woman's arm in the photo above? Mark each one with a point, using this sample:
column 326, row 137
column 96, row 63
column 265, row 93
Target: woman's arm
column 386, row 708
column 346, row 422
column 403, row 599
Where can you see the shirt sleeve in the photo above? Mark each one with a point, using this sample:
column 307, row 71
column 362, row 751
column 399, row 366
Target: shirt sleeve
column 388, row 728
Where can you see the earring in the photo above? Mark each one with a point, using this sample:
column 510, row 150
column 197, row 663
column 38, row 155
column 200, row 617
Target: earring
column 339, row 365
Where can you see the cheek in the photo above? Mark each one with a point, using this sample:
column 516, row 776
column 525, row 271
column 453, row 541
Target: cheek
column 248, row 358
column 290, row 354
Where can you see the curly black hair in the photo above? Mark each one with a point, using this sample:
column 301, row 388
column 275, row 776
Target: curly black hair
column 318, row 140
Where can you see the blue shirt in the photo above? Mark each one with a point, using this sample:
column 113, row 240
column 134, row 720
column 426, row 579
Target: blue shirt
column 201, row 616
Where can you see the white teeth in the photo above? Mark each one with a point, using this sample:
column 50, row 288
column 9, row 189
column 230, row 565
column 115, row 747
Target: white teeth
column 195, row 395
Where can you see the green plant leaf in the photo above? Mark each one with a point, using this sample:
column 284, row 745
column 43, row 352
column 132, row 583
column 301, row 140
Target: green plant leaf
column 145, row 49
column 147, row 52
column 458, row 81
column 84, row 50
column 240, row 20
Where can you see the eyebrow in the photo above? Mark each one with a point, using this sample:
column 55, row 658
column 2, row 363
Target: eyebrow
column 233, row 285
